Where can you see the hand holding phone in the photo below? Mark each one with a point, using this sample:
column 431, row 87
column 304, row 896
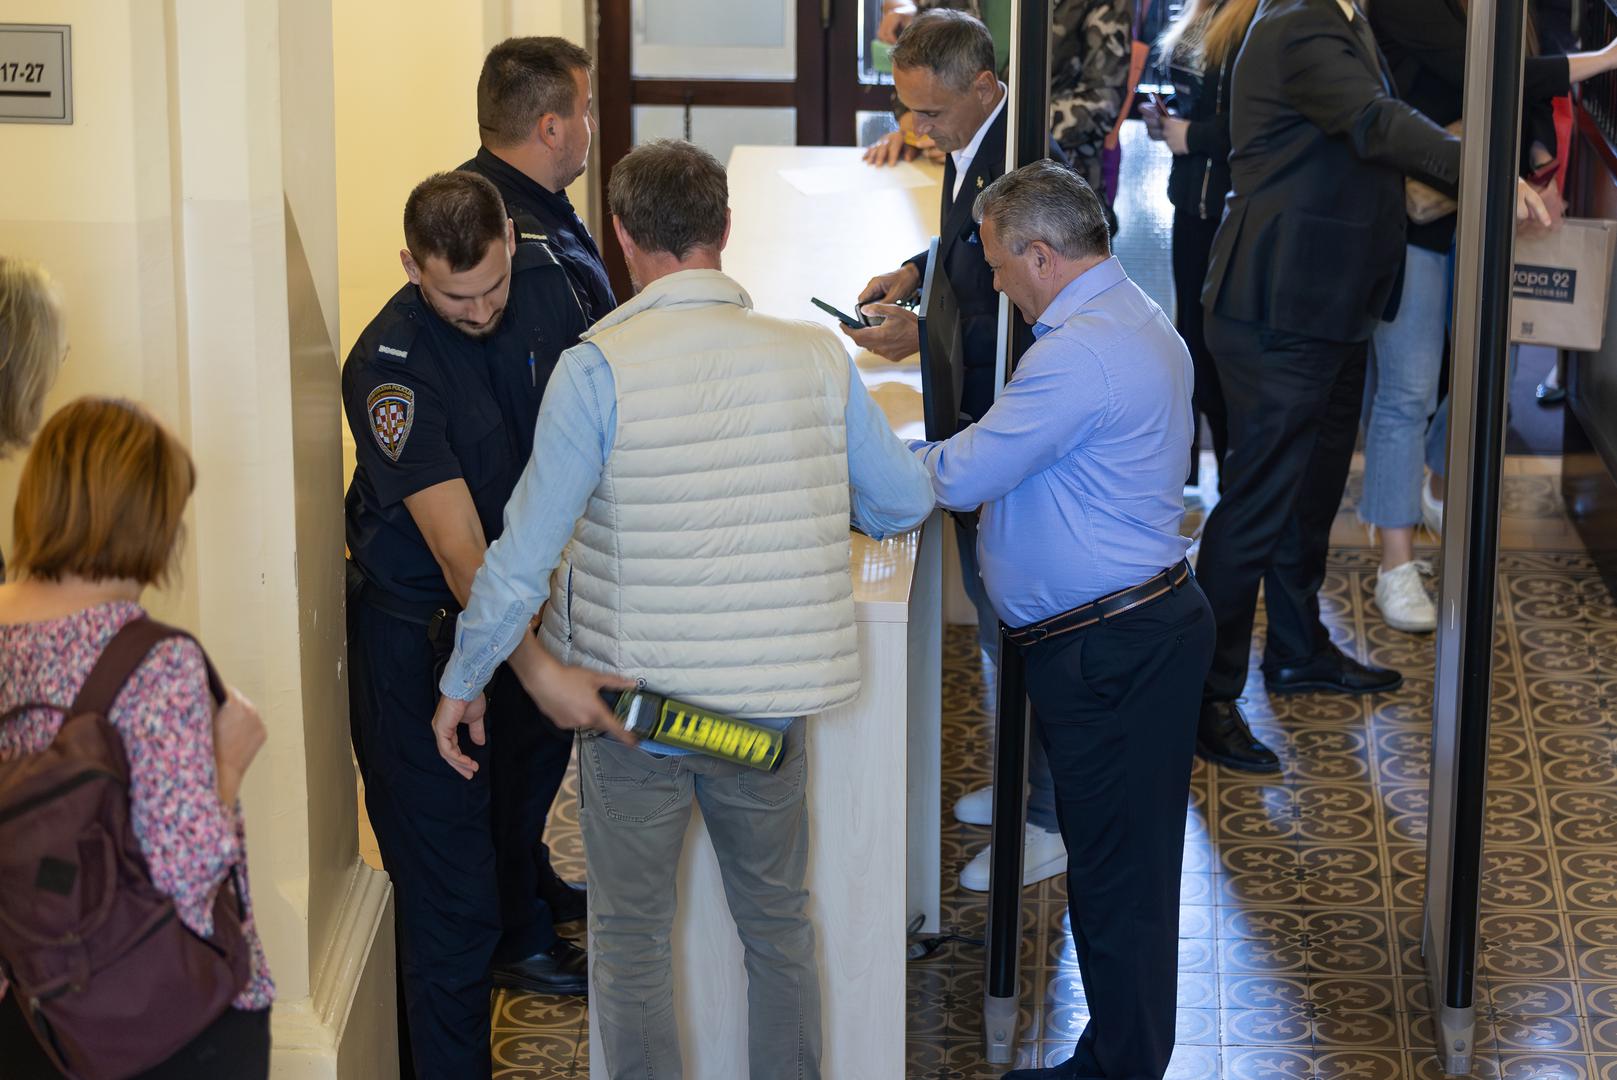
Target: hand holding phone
column 1152, row 113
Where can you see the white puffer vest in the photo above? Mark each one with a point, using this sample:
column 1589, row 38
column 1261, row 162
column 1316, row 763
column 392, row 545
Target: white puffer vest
column 712, row 560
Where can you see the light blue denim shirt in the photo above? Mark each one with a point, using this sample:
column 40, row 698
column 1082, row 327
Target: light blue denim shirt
column 1080, row 465
column 578, row 423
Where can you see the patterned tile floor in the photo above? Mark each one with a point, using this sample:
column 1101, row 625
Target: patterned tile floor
column 1301, row 919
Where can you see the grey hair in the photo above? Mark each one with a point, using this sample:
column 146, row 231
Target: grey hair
column 952, row 45
column 1045, row 201
column 33, row 341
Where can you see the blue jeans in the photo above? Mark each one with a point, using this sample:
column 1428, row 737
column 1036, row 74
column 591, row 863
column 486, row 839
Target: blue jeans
column 1437, row 436
column 1406, row 358
column 1041, row 787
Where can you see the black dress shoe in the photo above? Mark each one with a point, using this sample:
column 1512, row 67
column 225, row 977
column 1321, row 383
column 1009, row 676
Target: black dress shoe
column 1548, row 395
column 562, row 969
column 1331, row 671
column 1223, row 738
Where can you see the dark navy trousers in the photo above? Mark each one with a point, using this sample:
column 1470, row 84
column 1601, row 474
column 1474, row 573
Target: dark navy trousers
column 1117, row 706
column 460, row 852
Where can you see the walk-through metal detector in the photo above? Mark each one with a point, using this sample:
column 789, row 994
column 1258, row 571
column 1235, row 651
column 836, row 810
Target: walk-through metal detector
column 1027, row 129
column 1478, row 391
column 1463, row 684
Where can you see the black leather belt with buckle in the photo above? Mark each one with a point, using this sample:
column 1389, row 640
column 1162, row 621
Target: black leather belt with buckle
column 1107, row 607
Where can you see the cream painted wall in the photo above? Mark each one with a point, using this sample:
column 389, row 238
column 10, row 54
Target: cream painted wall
column 93, row 205
column 406, row 76
column 190, row 215
column 406, row 107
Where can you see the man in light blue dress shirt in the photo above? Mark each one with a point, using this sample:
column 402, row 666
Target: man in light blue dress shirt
column 1079, row 468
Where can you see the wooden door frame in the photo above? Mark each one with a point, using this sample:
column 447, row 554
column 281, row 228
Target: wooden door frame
column 617, row 92
column 846, row 96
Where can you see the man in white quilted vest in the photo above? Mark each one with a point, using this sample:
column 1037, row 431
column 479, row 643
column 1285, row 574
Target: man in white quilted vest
column 684, row 522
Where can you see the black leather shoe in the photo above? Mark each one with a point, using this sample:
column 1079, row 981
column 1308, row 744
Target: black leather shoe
column 567, row 902
column 1223, row 738
column 562, row 969
column 1548, row 395
column 1331, row 671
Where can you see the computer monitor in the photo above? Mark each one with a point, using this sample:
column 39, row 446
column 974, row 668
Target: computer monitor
column 942, row 354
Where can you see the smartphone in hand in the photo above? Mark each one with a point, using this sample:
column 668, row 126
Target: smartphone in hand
column 845, row 319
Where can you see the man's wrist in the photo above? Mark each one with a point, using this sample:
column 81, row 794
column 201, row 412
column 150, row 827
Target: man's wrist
column 455, row 685
column 531, row 663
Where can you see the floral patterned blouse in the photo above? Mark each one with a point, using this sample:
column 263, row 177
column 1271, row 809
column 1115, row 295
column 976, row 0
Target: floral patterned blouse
column 165, row 716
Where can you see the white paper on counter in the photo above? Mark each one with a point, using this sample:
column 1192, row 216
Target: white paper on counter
column 846, row 179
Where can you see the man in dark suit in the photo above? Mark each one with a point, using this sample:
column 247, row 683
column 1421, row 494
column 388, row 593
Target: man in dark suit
column 943, row 71
column 1308, row 257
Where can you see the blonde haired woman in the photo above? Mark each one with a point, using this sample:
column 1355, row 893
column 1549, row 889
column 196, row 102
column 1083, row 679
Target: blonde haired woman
column 33, row 342
column 1200, row 50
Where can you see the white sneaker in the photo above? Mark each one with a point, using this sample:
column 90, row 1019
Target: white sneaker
column 1402, row 598
column 1431, row 509
column 1043, row 856
column 975, row 807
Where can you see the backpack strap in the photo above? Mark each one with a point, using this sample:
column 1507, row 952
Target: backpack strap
column 126, row 651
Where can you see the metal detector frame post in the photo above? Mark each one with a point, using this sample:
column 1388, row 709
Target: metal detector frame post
column 1477, row 393
column 1027, row 132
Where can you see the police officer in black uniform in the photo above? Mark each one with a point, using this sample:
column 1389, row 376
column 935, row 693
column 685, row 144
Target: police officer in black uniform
column 442, row 392
column 535, row 115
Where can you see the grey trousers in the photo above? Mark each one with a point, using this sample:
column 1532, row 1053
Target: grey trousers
column 633, row 813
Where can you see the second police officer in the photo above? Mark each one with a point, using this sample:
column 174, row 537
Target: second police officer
column 535, row 124
column 441, row 393
column 535, row 119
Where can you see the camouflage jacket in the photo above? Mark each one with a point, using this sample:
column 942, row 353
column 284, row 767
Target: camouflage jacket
column 1089, row 70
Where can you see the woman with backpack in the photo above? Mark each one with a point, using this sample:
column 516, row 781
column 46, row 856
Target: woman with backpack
column 127, row 945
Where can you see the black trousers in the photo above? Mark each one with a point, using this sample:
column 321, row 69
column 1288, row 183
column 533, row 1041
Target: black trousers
column 1117, row 706
column 1192, row 250
column 460, row 852
column 234, row 1047
column 1294, row 407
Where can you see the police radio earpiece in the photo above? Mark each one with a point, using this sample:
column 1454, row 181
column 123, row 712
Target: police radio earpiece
column 677, row 723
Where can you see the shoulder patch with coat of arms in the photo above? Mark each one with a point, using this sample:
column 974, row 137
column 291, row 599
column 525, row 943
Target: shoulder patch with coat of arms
column 391, row 409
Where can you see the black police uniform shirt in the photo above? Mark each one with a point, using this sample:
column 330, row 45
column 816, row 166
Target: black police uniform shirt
column 549, row 217
column 427, row 404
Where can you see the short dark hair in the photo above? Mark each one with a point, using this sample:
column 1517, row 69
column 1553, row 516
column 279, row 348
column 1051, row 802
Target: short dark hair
column 523, row 79
column 455, row 216
column 671, row 196
column 953, row 45
column 1045, row 201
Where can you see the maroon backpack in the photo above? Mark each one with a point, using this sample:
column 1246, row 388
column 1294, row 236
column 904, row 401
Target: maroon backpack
column 108, row 977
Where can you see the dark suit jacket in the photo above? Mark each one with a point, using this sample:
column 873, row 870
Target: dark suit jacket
column 1312, row 240
column 962, row 253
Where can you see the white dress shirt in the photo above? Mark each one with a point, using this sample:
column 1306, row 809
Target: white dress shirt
column 963, row 157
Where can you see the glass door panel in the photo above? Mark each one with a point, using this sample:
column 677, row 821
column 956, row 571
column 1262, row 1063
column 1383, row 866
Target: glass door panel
column 714, row 39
